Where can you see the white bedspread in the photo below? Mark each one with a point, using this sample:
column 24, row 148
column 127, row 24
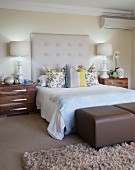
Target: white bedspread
column 59, row 104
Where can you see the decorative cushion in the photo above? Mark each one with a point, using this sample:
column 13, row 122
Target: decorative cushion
column 91, row 76
column 74, row 78
column 82, row 77
column 55, row 79
column 42, row 80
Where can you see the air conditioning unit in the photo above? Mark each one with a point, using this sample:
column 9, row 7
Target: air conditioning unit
column 117, row 23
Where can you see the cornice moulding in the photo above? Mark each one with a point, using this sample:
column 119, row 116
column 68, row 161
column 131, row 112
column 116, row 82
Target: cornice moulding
column 34, row 6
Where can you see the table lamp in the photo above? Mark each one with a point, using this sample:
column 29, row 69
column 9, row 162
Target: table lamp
column 19, row 49
column 104, row 49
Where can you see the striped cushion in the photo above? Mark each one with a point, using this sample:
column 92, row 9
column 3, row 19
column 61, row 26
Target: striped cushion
column 75, row 78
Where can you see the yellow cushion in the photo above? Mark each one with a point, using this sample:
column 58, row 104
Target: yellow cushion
column 82, row 77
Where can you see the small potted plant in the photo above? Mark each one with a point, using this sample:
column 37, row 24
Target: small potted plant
column 118, row 72
column 113, row 73
column 115, row 58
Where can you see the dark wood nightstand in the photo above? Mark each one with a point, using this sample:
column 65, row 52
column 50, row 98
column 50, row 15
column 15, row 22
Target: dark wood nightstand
column 119, row 82
column 16, row 99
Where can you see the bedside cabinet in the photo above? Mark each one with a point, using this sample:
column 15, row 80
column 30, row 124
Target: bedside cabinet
column 16, row 99
column 119, row 82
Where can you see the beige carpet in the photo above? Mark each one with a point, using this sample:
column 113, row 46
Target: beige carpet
column 22, row 133
column 82, row 157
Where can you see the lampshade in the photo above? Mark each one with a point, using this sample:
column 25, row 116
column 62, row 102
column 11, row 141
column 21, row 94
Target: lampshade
column 19, row 48
column 104, row 49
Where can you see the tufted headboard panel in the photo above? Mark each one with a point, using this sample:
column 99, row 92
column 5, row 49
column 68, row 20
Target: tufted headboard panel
column 57, row 50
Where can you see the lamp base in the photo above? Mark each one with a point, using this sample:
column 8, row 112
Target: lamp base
column 20, row 73
column 104, row 74
column 104, row 71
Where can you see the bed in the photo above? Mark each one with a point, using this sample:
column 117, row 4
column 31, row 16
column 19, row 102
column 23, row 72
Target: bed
column 58, row 105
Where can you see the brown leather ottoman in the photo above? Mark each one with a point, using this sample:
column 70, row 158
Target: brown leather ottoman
column 105, row 125
column 127, row 106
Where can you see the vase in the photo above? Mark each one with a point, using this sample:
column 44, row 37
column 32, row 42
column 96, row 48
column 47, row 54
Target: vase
column 120, row 72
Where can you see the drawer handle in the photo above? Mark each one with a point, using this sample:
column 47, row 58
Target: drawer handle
column 116, row 83
column 23, row 108
column 21, row 90
column 17, row 100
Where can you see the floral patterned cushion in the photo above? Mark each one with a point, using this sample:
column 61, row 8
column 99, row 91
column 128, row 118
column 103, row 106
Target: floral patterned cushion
column 55, row 79
column 91, row 78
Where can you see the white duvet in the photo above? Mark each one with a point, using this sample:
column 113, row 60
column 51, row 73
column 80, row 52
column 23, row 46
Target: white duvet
column 58, row 105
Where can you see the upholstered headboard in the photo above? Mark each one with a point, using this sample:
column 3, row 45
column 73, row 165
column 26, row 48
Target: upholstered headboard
column 55, row 50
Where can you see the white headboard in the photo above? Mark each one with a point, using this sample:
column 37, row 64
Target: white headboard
column 57, row 50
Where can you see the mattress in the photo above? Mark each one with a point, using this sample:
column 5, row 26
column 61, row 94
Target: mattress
column 58, row 105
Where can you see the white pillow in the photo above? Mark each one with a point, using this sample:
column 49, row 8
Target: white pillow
column 42, row 80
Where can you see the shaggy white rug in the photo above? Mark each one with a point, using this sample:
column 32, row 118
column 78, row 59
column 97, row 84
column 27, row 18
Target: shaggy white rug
column 82, row 157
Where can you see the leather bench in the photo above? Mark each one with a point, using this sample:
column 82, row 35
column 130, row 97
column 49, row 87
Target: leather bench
column 105, row 125
column 127, row 106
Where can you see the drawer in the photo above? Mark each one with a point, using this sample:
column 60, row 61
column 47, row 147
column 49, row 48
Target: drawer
column 13, row 108
column 118, row 83
column 15, row 89
column 17, row 99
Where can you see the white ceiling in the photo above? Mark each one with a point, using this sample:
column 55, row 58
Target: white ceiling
column 84, row 6
column 114, row 4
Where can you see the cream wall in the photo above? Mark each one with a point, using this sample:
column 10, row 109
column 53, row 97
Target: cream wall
column 18, row 25
column 133, row 61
